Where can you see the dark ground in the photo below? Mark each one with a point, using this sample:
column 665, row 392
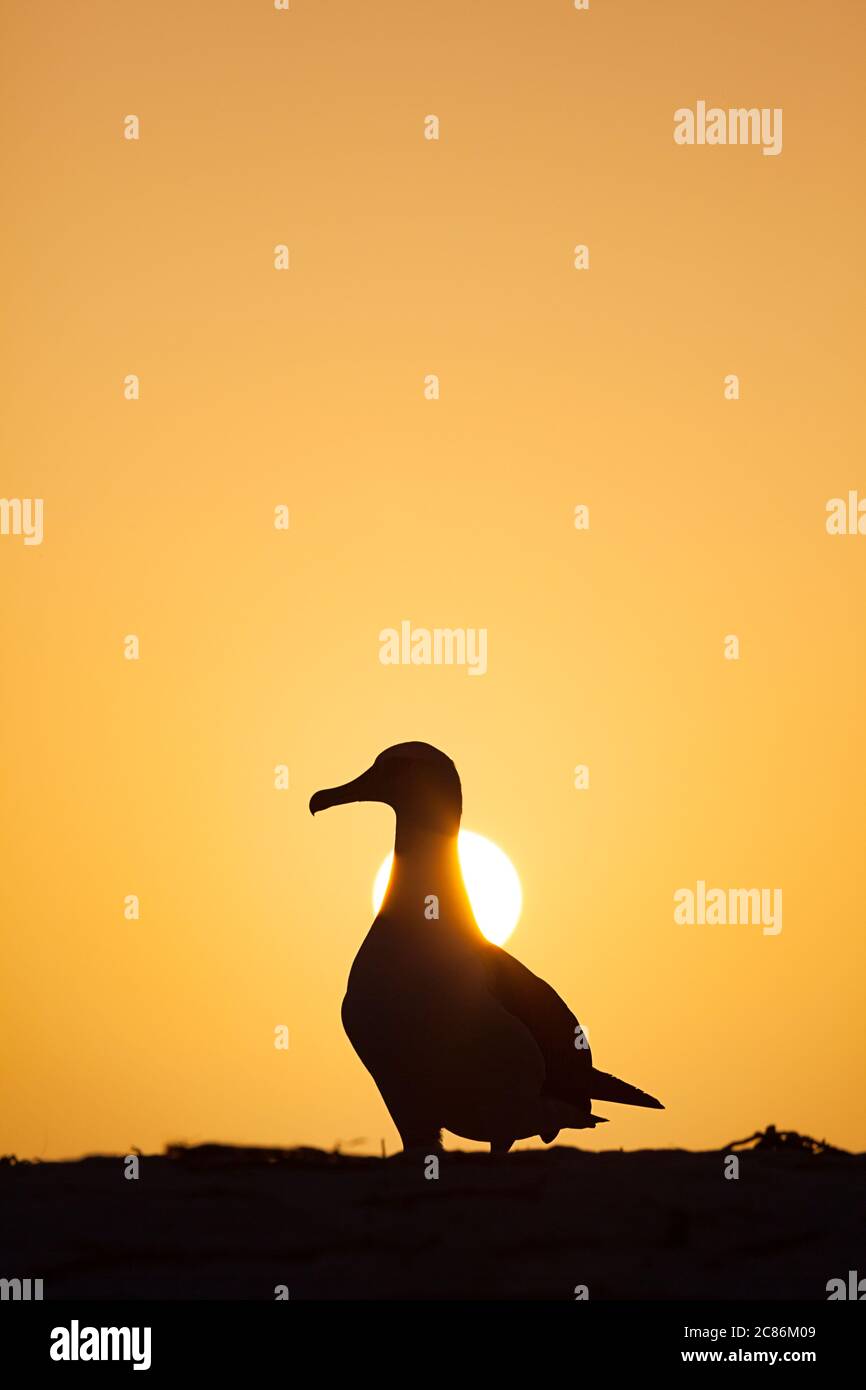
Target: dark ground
column 218, row 1222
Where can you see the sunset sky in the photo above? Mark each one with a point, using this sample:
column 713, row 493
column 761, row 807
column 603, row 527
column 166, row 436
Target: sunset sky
column 259, row 647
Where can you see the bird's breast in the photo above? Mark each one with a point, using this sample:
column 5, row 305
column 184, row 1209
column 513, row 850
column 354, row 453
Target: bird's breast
column 405, row 987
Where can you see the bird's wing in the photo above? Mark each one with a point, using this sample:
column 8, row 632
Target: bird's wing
column 570, row 1074
column 560, row 1039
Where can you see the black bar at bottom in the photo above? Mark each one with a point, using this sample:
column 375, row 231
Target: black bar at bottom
column 194, row 1338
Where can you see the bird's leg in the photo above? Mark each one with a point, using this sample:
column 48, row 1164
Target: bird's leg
column 420, row 1142
column 500, row 1146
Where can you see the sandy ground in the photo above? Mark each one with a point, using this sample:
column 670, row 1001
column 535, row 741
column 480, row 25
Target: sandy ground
column 217, row 1222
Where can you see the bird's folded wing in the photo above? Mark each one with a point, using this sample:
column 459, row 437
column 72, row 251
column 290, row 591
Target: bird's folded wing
column 548, row 1018
column 560, row 1039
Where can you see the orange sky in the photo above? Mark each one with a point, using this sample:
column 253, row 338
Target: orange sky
column 305, row 387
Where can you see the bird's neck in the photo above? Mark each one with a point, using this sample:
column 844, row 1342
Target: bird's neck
column 426, row 866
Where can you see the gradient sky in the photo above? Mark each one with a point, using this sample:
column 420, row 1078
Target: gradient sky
column 260, row 647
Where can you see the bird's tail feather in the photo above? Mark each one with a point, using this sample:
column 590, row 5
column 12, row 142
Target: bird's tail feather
column 603, row 1086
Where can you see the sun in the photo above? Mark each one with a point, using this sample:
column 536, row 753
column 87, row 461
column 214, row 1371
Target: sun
column 491, row 882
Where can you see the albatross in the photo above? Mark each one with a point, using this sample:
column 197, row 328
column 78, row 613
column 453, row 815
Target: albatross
column 455, row 1032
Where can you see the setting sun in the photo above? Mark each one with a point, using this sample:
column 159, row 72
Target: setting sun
column 491, row 882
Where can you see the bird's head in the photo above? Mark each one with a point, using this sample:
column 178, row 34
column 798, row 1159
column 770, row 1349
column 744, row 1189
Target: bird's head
column 417, row 780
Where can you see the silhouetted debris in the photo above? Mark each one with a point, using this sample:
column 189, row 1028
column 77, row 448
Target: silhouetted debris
column 213, row 1156
column 788, row 1139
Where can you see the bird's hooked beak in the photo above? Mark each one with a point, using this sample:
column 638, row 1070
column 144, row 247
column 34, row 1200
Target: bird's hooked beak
column 367, row 787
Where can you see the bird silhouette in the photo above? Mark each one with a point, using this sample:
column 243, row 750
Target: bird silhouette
column 455, row 1032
